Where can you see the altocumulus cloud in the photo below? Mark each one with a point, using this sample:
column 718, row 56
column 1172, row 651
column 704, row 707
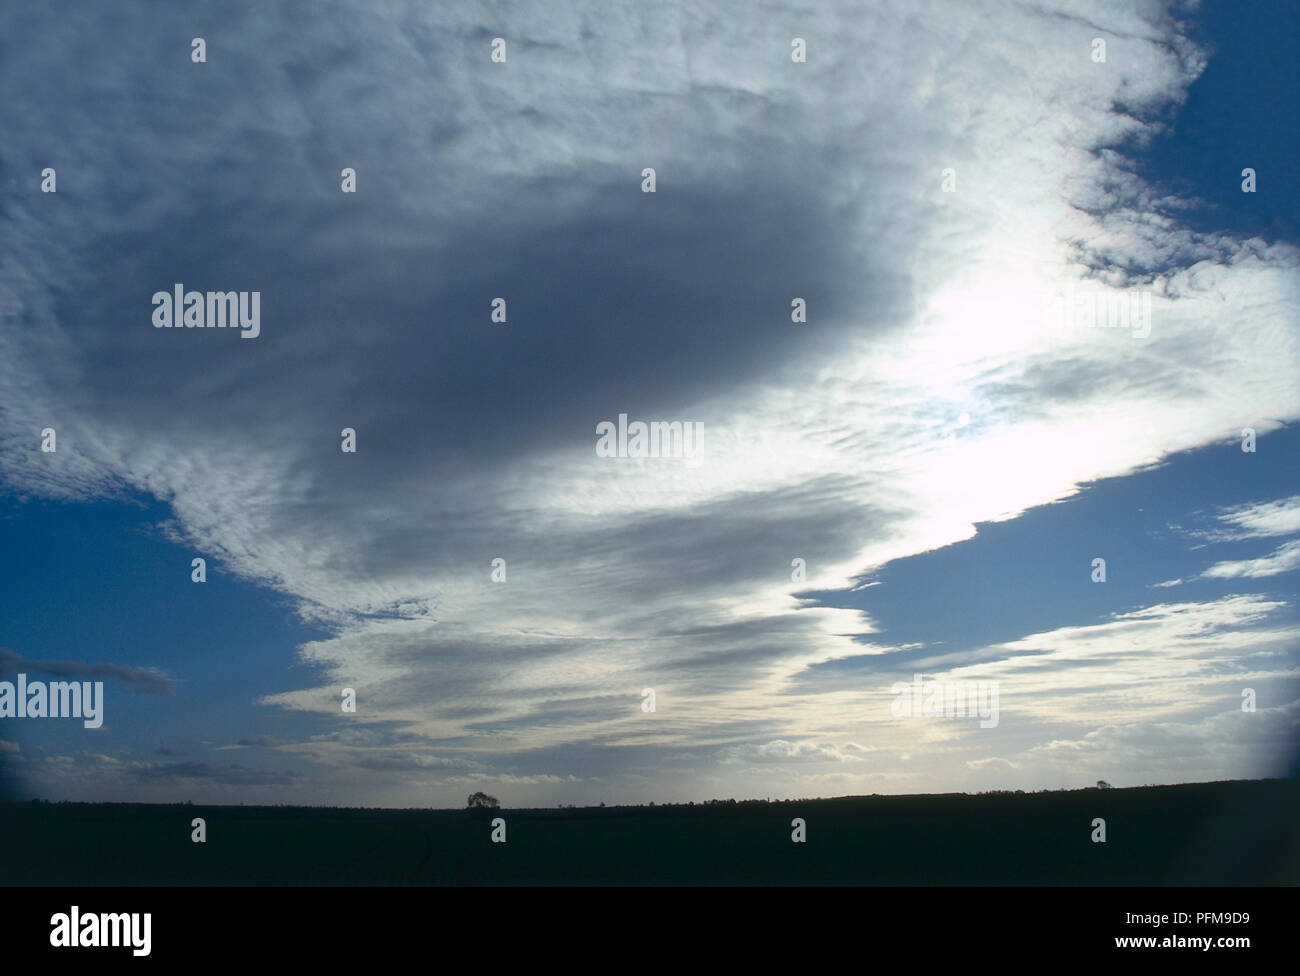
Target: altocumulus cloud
column 923, row 395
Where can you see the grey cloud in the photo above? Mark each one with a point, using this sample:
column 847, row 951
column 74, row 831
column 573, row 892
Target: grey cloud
column 259, row 740
column 415, row 761
column 230, row 775
column 146, row 681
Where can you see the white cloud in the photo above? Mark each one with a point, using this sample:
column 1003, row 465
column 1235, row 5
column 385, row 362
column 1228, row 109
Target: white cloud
column 1142, row 752
column 1283, row 559
column 781, row 751
column 1262, row 519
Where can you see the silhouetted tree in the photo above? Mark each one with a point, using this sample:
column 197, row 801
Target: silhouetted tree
column 481, row 800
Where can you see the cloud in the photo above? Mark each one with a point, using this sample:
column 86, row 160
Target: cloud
column 781, row 751
column 415, row 761
column 1284, row 559
column 828, row 441
column 147, row 680
column 1228, row 737
column 1261, row 519
column 229, row 775
column 1166, row 682
column 1161, row 660
column 994, row 762
column 511, row 779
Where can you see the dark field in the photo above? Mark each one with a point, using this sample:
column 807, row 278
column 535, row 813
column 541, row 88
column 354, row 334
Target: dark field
column 1201, row 834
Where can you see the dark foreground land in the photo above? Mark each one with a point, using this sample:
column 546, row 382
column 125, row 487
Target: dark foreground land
column 1200, row 834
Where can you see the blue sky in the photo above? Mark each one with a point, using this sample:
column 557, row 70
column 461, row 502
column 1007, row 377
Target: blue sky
column 946, row 462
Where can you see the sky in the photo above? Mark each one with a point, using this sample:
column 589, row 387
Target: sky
column 916, row 479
